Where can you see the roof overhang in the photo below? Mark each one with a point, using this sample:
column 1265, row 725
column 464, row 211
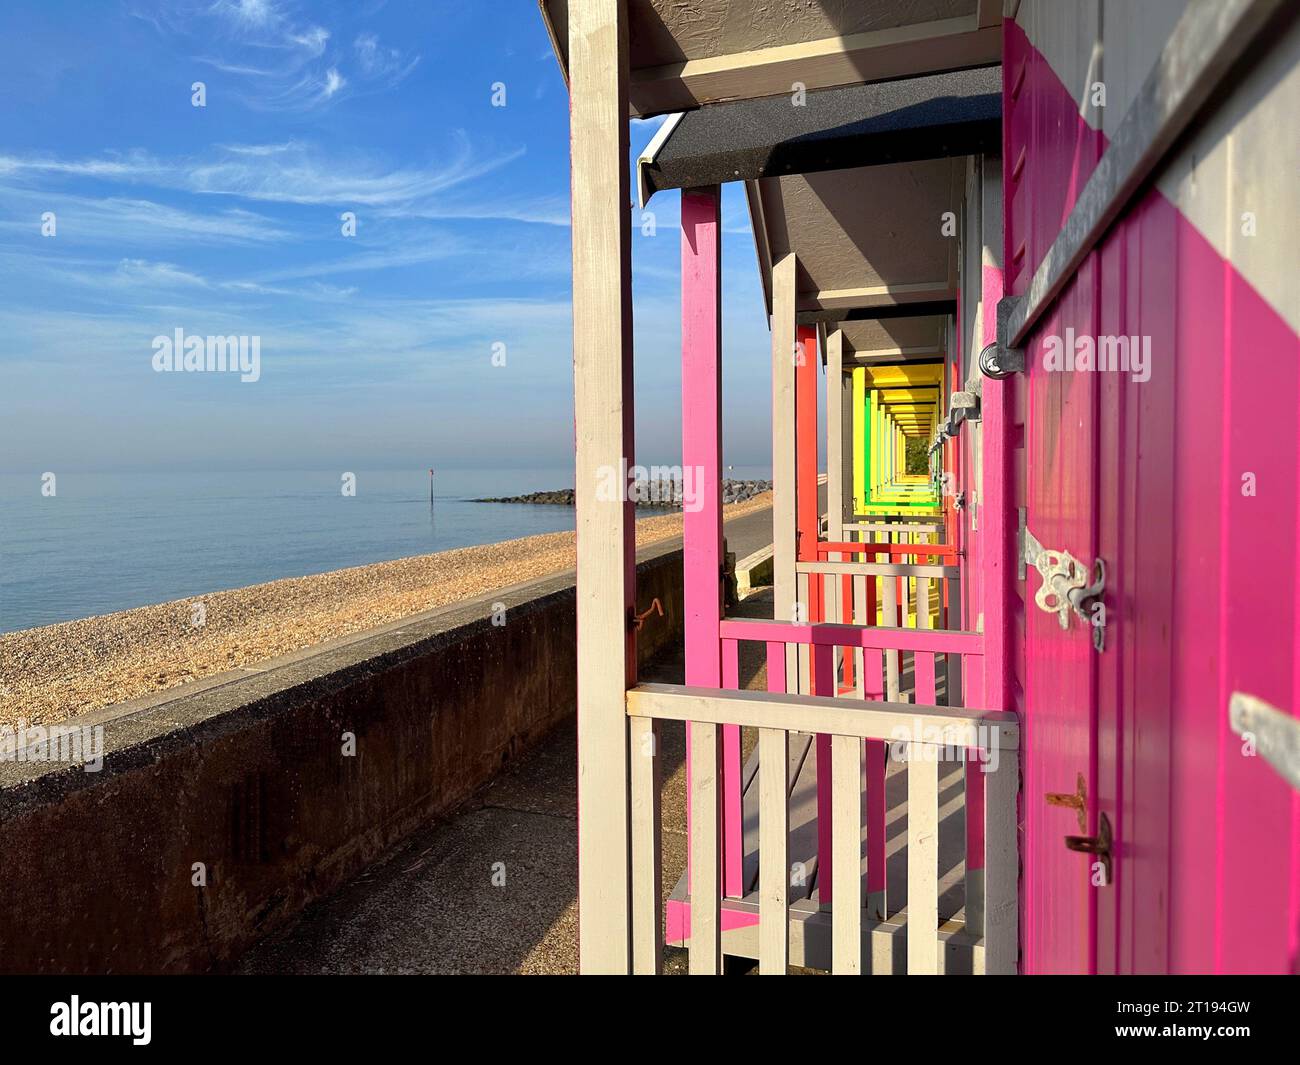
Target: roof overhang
column 686, row 55
column 871, row 242
column 928, row 117
column 869, row 342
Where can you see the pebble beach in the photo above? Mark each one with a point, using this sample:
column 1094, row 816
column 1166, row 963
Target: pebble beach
column 57, row 672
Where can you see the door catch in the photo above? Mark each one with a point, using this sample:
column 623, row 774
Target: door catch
column 1099, row 844
column 1066, row 586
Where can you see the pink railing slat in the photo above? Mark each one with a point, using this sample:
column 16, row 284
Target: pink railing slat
column 733, row 829
column 823, row 666
column 873, row 668
column 923, row 672
column 877, row 759
column 826, row 634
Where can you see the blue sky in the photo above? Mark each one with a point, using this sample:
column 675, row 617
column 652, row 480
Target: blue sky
column 376, row 349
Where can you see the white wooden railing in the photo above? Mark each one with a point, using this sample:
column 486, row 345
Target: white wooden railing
column 849, row 723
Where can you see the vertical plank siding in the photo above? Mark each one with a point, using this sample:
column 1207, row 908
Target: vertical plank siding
column 1194, row 614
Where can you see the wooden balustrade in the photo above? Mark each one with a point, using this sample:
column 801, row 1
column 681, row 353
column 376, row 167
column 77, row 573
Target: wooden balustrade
column 921, row 734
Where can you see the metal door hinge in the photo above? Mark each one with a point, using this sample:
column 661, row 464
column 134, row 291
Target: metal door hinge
column 1000, row 360
column 1272, row 733
column 1068, row 585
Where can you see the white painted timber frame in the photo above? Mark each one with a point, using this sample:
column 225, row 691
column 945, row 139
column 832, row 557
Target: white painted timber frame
column 602, row 376
column 784, row 515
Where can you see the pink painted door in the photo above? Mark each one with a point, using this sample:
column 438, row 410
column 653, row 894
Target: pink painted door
column 1193, row 500
column 1047, row 155
column 1060, row 669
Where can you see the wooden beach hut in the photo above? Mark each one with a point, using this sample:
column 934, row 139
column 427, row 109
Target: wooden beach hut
column 1033, row 709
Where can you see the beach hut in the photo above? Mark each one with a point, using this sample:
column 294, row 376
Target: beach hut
column 1034, row 708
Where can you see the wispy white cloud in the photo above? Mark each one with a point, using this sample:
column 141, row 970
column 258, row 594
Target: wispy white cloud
column 129, row 221
column 123, row 274
column 282, row 61
column 412, row 252
column 144, row 272
column 258, row 13
column 546, row 211
column 298, row 175
column 131, row 166
column 289, row 172
column 379, row 61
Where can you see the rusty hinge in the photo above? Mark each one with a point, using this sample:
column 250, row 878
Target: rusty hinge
column 636, row 621
column 1078, row 802
column 1102, row 843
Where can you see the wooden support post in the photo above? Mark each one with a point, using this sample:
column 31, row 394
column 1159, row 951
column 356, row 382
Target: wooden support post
column 846, row 441
column 840, row 601
column 861, row 473
column 702, row 461
column 606, row 530
column 806, row 489
column 835, row 453
column 995, row 427
column 784, row 517
column 996, row 537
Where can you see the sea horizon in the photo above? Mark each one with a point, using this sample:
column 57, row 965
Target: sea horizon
column 90, row 543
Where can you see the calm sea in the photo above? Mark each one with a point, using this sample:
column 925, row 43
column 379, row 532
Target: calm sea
column 111, row 541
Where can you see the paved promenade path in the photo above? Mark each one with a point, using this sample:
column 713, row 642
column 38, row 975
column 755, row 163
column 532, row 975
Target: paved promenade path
column 431, row 904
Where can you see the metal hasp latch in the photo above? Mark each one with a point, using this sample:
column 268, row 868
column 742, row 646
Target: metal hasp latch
column 1274, row 734
column 1066, row 586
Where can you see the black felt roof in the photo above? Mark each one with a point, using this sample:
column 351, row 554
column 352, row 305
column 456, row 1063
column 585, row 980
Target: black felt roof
column 930, row 117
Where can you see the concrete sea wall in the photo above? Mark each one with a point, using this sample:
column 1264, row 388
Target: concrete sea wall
column 219, row 815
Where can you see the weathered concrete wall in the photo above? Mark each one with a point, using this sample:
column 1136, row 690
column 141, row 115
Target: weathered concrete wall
column 249, row 778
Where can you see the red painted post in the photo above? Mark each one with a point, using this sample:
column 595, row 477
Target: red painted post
column 821, row 660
